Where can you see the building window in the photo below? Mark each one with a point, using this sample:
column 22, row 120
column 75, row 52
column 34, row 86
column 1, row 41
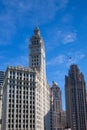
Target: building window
column 8, row 125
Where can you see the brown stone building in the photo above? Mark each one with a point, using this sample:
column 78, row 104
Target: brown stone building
column 75, row 92
column 58, row 116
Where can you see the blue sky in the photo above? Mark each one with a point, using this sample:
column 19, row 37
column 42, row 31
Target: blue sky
column 63, row 26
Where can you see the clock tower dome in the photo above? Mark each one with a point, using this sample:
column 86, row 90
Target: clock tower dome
column 37, row 53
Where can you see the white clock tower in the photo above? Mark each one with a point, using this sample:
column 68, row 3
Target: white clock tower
column 26, row 95
column 42, row 89
column 37, row 53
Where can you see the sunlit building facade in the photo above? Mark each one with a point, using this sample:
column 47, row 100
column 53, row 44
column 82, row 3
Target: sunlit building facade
column 1, row 77
column 1, row 93
column 26, row 97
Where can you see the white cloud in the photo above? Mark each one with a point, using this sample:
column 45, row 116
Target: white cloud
column 81, row 56
column 70, row 58
column 25, row 13
column 7, row 29
column 21, row 61
column 66, row 37
column 62, row 36
column 57, row 60
column 69, row 37
column 35, row 9
column 75, row 57
column 25, row 44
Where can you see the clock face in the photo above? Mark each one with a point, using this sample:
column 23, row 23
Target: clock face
column 35, row 49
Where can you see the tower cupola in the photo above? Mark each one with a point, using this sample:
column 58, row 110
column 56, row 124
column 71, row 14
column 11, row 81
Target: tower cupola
column 36, row 31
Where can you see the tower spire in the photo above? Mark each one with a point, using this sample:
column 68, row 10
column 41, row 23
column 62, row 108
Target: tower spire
column 37, row 31
column 36, row 23
column 37, row 52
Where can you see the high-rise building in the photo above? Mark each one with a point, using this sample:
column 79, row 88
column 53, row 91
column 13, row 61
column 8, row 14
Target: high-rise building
column 58, row 116
column 1, row 77
column 86, row 109
column 37, row 54
column 1, row 92
column 67, row 128
column 75, row 92
column 63, row 119
column 37, row 60
column 26, row 97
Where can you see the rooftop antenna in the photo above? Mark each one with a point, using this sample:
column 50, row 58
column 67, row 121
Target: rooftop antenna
column 37, row 23
column 37, row 31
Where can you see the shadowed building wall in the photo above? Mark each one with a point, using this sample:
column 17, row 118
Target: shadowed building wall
column 1, row 93
column 75, row 92
column 58, row 116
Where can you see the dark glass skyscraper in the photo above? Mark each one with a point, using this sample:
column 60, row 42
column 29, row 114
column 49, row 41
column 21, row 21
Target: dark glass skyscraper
column 75, row 92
